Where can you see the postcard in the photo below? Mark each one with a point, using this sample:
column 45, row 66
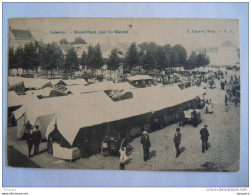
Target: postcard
column 152, row 94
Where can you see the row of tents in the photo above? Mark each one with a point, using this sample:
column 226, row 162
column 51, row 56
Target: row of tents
column 77, row 107
column 76, row 112
column 21, row 84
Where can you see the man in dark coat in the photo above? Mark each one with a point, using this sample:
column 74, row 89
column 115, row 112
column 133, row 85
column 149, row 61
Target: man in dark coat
column 204, row 138
column 29, row 139
column 222, row 85
column 145, row 141
column 36, row 139
column 177, row 139
column 226, row 100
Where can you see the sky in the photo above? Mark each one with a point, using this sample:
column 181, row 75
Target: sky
column 191, row 33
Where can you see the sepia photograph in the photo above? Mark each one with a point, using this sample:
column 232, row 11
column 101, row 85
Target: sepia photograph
column 145, row 94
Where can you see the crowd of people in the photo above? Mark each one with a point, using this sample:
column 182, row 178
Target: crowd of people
column 204, row 133
column 34, row 138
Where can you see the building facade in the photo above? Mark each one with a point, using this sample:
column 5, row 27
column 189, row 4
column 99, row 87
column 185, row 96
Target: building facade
column 19, row 38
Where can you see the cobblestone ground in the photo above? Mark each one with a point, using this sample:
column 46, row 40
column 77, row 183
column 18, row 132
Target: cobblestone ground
column 224, row 145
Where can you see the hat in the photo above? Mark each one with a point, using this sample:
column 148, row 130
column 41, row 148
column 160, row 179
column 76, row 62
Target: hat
column 205, row 125
column 37, row 126
column 178, row 129
column 145, row 132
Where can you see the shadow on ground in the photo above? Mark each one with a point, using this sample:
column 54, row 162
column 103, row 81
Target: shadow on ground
column 152, row 154
column 182, row 149
column 17, row 159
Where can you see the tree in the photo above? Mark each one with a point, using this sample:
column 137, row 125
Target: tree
column 19, row 53
column 40, row 56
column 192, row 61
column 90, row 58
column 94, row 59
column 53, row 58
column 98, row 59
column 178, row 56
column 149, row 61
column 79, row 40
column 161, row 59
column 196, row 60
column 83, row 59
column 113, row 61
column 141, row 59
column 168, row 51
column 30, row 57
column 156, row 57
column 12, row 59
column 71, row 61
column 202, row 59
column 63, row 41
column 143, row 46
column 131, row 58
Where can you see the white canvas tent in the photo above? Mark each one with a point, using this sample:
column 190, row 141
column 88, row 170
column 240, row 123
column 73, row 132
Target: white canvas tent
column 46, row 92
column 34, row 110
column 75, row 82
column 97, row 108
column 121, row 86
column 144, row 101
column 55, row 81
column 14, row 100
column 29, row 83
column 102, row 86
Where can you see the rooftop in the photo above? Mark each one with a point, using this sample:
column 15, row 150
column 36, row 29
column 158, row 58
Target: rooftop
column 22, row 34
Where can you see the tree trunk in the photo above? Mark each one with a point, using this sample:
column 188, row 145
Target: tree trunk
column 51, row 72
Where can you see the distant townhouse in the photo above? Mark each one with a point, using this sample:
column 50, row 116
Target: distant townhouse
column 223, row 56
column 19, row 38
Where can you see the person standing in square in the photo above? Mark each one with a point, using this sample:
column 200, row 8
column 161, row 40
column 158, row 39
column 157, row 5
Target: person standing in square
column 145, row 141
column 204, row 138
column 177, row 139
column 36, row 139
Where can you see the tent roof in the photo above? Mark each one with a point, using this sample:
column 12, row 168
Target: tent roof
column 28, row 82
column 75, row 82
column 75, row 89
column 19, row 100
column 120, row 86
column 102, row 86
column 46, row 92
column 14, row 80
column 78, row 111
column 144, row 101
column 139, row 77
column 34, row 109
column 55, row 81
